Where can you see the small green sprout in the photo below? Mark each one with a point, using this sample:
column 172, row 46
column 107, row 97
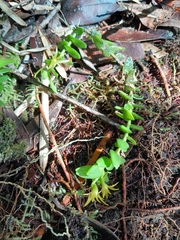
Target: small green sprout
column 108, row 48
column 68, row 45
column 71, row 39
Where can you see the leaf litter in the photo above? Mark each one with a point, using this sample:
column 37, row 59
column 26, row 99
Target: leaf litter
column 39, row 204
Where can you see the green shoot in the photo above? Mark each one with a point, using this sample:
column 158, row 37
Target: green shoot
column 58, row 58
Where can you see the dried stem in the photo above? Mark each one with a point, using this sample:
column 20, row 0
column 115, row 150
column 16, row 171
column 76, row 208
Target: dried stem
column 59, row 157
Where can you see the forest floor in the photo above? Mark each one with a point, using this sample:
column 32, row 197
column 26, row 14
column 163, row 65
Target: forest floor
column 37, row 204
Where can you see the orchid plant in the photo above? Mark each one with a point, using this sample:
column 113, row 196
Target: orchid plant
column 99, row 172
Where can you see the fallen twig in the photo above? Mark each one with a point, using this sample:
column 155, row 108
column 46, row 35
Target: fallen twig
column 59, row 157
column 162, row 75
column 42, row 25
column 75, row 102
column 154, row 210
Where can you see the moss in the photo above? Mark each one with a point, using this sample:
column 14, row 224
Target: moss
column 10, row 149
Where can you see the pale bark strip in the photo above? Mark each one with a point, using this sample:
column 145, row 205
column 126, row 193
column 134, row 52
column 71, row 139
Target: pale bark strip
column 44, row 136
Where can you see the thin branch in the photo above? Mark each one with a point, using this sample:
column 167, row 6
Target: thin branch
column 154, row 210
column 162, row 75
column 75, row 102
column 59, row 157
column 42, row 25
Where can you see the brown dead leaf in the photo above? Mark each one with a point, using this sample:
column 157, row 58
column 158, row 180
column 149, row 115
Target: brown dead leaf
column 157, row 52
column 151, row 16
column 15, row 34
column 133, row 49
column 131, row 35
column 175, row 4
column 35, row 42
column 11, row 14
column 174, row 21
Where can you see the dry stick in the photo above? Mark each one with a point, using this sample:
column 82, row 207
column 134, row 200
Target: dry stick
column 75, row 102
column 53, row 140
column 100, row 147
column 173, row 188
column 43, row 24
column 162, row 75
column 154, row 210
column 68, row 175
column 174, row 222
column 87, row 109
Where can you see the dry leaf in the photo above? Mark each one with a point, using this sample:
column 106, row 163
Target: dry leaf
column 151, row 16
column 88, row 12
column 157, row 52
column 131, row 35
column 174, row 21
column 11, row 14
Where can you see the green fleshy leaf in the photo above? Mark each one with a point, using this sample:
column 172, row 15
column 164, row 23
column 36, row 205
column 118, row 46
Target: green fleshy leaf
column 62, row 44
column 82, row 171
column 77, row 42
column 98, row 42
column 128, row 106
column 124, row 129
column 116, row 159
column 72, row 52
column 90, row 172
column 52, row 86
column 131, row 140
column 104, row 162
column 137, row 97
column 44, row 74
column 136, row 105
column 109, row 48
column 125, row 95
column 4, row 61
column 123, row 145
column 118, row 108
column 120, row 56
column 5, row 70
column 53, row 71
column 136, row 127
column 137, row 116
column 95, row 172
column 3, row 78
column 128, row 66
column 78, row 31
column 127, row 115
column 129, row 88
column 120, row 115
